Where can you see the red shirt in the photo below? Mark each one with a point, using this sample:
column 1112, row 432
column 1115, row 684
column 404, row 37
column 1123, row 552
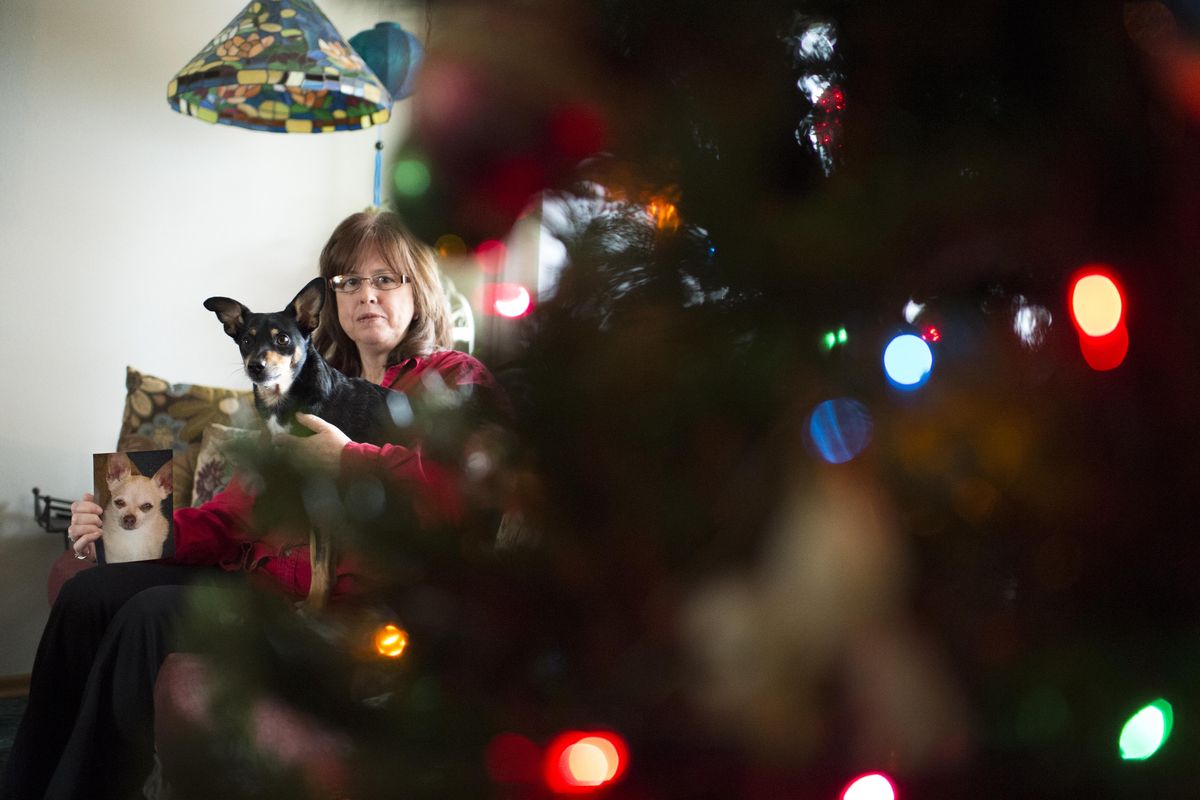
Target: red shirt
column 218, row 532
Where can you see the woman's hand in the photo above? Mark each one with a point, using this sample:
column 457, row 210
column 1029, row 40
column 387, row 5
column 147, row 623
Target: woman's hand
column 322, row 450
column 85, row 527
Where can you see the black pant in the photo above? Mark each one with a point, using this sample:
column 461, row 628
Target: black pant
column 88, row 729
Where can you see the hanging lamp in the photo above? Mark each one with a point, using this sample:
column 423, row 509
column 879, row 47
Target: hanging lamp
column 281, row 66
column 393, row 54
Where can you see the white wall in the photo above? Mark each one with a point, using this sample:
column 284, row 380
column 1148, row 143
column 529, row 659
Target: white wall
column 117, row 218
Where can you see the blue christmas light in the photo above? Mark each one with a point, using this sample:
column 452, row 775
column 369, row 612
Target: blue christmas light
column 839, row 429
column 907, row 361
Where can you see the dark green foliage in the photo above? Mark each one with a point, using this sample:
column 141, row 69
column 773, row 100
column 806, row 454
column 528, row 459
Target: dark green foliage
column 1043, row 510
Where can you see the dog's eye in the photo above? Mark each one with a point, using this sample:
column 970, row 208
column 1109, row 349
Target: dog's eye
column 147, row 506
column 282, row 340
column 119, row 503
column 245, row 340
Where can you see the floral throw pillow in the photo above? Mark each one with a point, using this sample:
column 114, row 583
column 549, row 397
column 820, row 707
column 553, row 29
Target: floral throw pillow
column 215, row 461
column 173, row 416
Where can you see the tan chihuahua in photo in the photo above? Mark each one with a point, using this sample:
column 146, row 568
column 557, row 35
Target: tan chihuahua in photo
column 134, row 527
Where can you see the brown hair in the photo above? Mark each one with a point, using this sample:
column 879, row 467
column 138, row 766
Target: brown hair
column 381, row 232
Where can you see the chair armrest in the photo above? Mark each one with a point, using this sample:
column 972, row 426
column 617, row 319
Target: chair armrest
column 64, row 567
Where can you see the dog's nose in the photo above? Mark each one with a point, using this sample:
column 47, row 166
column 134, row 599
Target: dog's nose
column 256, row 369
column 128, row 520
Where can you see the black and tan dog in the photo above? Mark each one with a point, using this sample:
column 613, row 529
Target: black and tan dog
column 289, row 375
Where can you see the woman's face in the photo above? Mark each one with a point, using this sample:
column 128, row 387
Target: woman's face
column 375, row 320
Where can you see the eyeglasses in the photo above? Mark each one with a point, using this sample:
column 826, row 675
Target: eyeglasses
column 383, row 282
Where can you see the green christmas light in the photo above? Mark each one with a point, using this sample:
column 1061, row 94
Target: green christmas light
column 832, row 339
column 411, row 177
column 1146, row 731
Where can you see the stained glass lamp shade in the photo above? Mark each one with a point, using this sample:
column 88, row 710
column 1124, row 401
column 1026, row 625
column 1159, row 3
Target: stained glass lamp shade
column 281, row 66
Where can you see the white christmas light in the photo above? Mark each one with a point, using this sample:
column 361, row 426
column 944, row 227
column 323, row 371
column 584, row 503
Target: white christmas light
column 1031, row 323
column 912, row 310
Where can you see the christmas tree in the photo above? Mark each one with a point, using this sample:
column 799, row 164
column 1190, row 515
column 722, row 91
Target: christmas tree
column 743, row 553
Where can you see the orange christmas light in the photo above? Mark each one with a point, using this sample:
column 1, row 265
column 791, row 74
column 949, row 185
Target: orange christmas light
column 391, row 641
column 664, row 213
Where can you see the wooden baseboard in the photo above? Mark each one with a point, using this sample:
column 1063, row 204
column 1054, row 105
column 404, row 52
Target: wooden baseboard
column 14, row 685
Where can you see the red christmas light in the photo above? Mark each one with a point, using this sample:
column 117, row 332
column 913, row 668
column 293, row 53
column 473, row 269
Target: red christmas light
column 511, row 300
column 872, row 786
column 1096, row 301
column 1097, row 304
column 577, row 762
column 1105, row 352
column 832, row 99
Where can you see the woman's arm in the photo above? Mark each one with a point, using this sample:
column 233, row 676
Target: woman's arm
column 435, row 488
column 206, row 535
column 436, row 494
column 214, row 533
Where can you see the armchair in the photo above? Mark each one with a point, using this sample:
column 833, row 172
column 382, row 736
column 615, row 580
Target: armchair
column 192, row 421
column 197, row 423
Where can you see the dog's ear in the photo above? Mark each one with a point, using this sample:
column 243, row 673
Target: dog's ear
column 119, row 469
column 306, row 306
column 231, row 313
column 164, row 479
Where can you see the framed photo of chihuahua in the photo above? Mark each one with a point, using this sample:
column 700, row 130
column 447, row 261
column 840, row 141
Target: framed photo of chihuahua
column 134, row 489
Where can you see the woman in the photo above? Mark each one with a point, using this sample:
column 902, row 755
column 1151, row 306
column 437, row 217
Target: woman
column 88, row 726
